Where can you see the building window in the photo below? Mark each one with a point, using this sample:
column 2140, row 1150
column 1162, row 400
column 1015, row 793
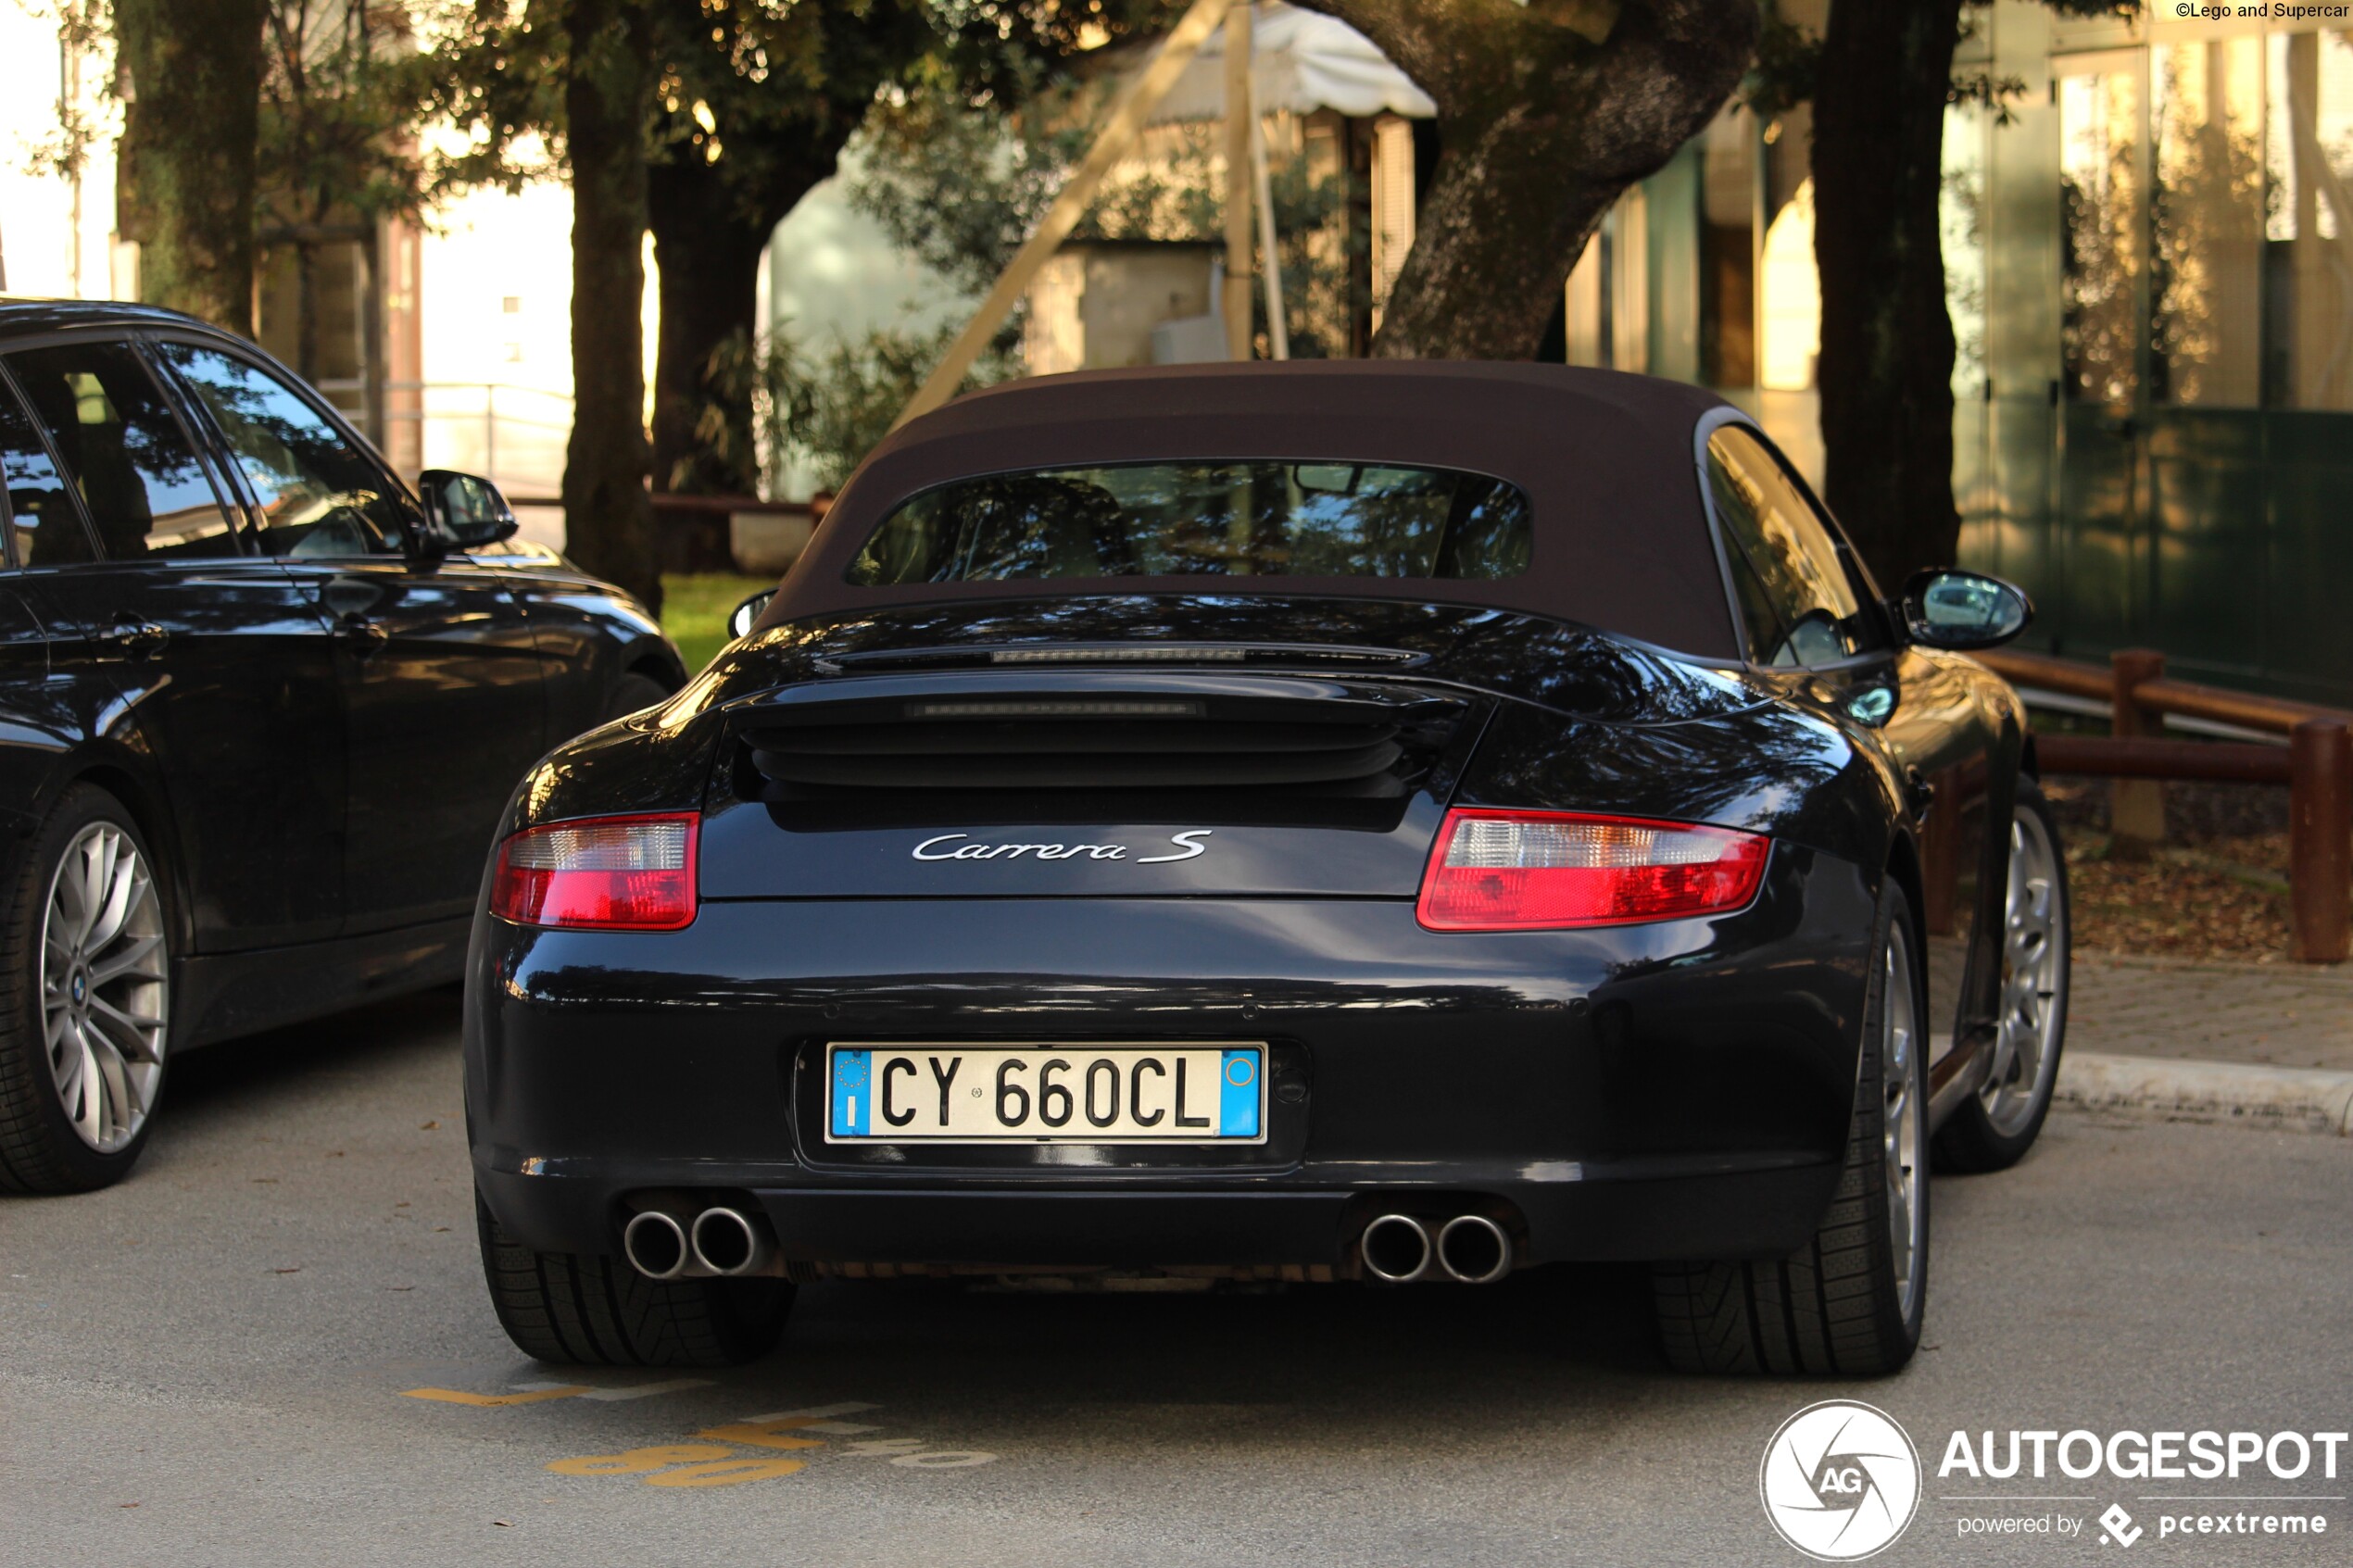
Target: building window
column 1961, row 211
column 1792, row 326
column 2100, row 192
column 2206, row 294
column 2307, row 224
column 1727, row 251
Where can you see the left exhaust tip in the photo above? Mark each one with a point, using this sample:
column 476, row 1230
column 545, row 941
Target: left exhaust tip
column 655, row 1244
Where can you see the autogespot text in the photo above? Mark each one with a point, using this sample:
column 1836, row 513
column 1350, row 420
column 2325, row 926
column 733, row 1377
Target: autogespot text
column 2146, row 1456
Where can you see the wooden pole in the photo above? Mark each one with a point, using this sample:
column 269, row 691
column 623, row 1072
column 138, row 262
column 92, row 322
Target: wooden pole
column 1278, row 319
column 1237, row 182
column 2320, row 839
column 1136, row 102
column 2136, row 807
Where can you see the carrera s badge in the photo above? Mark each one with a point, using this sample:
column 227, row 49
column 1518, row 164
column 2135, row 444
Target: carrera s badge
column 1188, row 844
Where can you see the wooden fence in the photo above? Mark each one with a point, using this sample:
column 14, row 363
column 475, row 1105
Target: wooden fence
column 2316, row 765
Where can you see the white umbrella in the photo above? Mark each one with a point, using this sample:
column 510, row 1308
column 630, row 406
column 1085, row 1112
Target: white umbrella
column 1300, row 61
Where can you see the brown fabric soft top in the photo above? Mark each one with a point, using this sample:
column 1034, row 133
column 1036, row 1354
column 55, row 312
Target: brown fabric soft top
column 1607, row 460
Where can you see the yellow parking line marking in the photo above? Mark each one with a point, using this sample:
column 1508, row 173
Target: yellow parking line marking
column 459, row 1396
column 773, row 1434
column 727, row 1471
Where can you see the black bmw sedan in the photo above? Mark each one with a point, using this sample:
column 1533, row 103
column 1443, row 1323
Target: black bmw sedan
column 1373, row 822
column 260, row 708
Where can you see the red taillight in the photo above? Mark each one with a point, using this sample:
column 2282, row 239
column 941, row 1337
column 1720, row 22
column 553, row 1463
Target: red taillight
column 600, row 873
column 1527, row 870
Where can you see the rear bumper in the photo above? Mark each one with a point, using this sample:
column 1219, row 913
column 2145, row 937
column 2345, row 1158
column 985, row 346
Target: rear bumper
column 1669, row 1091
column 1757, row 1213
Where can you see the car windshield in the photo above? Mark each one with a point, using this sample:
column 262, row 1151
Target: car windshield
column 1253, row 518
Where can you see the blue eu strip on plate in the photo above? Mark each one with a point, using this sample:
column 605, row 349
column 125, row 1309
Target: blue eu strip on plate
column 1239, row 1097
column 853, row 1096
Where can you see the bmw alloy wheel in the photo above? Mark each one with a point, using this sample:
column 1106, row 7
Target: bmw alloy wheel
column 2034, row 955
column 1904, row 1123
column 104, row 1003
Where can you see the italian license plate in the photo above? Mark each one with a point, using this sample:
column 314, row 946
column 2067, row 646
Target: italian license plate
column 1055, row 1093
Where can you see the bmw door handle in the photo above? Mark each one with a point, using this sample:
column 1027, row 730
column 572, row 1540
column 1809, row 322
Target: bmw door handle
column 348, row 601
column 362, row 637
column 138, row 639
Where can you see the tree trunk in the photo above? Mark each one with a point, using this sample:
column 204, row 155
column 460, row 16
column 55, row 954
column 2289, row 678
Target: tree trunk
column 708, row 254
column 608, row 85
column 186, row 163
column 1546, row 112
column 708, row 249
column 1887, row 341
column 708, row 234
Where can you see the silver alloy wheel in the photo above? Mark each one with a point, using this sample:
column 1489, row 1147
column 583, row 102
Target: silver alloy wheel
column 104, row 1003
column 2033, row 973
column 1904, row 1124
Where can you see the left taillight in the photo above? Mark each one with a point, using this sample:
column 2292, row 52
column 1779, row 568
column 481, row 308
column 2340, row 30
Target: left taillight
column 600, row 873
column 1537, row 870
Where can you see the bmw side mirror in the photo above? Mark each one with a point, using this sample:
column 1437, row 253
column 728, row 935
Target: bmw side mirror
column 748, row 612
column 1963, row 610
column 464, row 509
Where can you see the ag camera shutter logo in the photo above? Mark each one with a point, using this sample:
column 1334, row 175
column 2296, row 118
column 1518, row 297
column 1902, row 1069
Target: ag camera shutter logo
column 1840, row 1480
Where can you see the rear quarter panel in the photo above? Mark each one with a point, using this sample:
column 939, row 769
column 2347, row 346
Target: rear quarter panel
column 589, row 635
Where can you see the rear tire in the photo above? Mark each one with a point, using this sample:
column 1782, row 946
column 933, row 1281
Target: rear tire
column 86, row 964
column 584, row 1310
column 1850, row 1300
column 1994, row 1128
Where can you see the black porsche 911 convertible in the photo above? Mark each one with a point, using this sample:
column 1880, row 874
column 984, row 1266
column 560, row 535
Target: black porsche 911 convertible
column 1384, row 823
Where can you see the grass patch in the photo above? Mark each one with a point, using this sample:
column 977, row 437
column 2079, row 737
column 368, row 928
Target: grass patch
column 694, row 609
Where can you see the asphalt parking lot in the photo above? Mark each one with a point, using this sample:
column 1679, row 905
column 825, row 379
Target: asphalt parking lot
column 272, row 1346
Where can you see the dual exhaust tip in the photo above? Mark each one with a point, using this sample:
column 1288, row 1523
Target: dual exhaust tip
column 719, row 1243
column 726, row 1243
column 1468, row 1250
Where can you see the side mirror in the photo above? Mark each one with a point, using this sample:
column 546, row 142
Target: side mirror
column 465, row 509
column 740, row 620
column 1963, row 610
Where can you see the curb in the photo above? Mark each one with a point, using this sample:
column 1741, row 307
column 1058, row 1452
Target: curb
column 2280, row 1099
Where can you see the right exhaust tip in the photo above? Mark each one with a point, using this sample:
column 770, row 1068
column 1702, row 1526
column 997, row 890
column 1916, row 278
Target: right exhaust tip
column 1474, row 1250
column 1396, row 1248
column 655, row 1244
column 727, row 1242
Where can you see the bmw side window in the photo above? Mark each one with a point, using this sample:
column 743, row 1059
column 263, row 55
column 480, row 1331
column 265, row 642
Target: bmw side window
column 45, row 526
column 1793, row 557
column 320, row 494
column 138, row 475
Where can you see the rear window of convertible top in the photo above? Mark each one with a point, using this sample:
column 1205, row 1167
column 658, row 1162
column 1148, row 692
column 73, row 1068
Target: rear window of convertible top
column 1253, row 518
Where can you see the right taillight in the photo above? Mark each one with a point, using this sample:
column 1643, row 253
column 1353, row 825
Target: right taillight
column 1533, row 871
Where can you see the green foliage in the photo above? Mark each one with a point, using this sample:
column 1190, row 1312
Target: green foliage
column 961, row 185
column 85, row 30
column 1788, row 57
column 822, row 409
column 694, row 607
column 334, row 102
column 753, row 65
